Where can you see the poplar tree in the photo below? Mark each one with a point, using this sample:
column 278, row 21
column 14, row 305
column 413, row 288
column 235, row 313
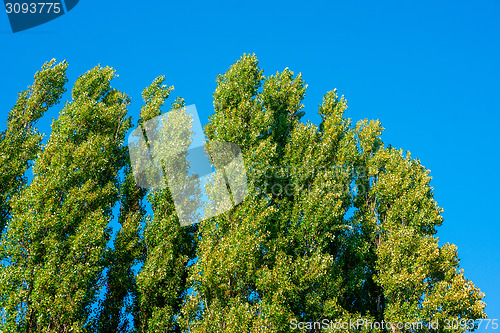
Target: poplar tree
column 123, row 300
column 119, row 304
column 20, row 142
column 270, row 260
column 55, row 242
column 168, row 247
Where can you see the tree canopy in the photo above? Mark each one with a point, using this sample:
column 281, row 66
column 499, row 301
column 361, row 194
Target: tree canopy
column 337, row 224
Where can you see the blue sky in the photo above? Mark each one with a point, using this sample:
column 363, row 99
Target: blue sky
column 430, row 71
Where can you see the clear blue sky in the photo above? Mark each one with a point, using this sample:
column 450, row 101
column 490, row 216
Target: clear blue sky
column 429, row 70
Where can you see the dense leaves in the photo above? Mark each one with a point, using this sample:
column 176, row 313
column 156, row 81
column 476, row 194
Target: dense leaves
column 337, row 225
column 54, row 245
column 20, row 142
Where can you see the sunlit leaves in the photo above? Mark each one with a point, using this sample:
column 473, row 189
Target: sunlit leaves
column 56, row 240
column 336, row 225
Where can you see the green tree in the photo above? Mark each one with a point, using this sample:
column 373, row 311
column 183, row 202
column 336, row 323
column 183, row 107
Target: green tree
column 168, row 247
column 120, row 299
column 20, row 142
column 55, row 242
column 272, row 258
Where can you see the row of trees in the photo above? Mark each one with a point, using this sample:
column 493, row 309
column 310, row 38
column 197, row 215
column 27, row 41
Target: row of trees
column 336, row 225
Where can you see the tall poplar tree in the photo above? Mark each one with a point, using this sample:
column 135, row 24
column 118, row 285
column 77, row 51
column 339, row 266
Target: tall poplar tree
column 20, row 142
column 55, row 241
column 168, row 247
column 119, row 303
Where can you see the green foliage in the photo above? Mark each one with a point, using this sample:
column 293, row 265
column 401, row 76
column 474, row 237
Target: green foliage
column 161, row 283
column 55, row 243
column 121, row 294
column 336, row 225
column 326, row 206
column 20, row 142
